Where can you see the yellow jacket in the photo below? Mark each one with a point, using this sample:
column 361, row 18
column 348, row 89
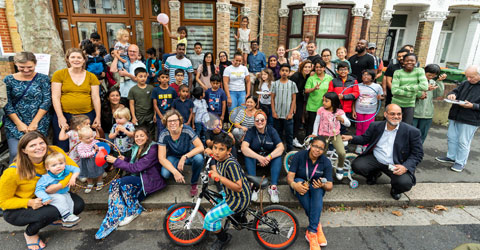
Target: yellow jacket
column 15, row 192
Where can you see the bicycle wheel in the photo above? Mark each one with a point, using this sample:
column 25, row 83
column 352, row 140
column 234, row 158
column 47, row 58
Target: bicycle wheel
column 287, row 161
column 176, row 221
column 283, row 219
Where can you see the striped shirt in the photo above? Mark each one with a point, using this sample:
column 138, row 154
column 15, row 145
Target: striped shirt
column 248, row 122
column 283, row 97
column 405, row 86
column 230, row 169
column 174, row 63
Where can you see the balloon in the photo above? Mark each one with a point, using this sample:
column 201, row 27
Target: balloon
column 100, row 158
column 162, row 18
column 104, row 145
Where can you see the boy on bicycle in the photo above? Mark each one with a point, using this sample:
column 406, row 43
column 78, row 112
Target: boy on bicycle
column 237, row 193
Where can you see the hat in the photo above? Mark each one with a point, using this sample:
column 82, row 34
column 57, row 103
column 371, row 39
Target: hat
column 372, row 45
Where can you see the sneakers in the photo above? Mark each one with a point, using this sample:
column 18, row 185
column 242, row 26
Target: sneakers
column 359, row 149
column 444, row 159
column 193, row 190
column 70, row 220
column 255, row 196
column 89, row 188
column 273, row 192
column 322, row 241
column 219, row 245
column 339, row 174
column 296, row 143
column 99, row 186
column 127, row 220
column 457, row 167
column 82, row 179
column 312, row 240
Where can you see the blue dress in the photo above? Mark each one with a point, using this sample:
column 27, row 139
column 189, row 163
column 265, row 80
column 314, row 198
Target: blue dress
column 38, row 96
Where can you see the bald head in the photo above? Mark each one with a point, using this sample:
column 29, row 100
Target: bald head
column 393, row 107
column 393, row 114
column 473, row 74
column 133, row 52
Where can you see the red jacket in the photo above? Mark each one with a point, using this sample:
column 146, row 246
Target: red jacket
column 349, row 95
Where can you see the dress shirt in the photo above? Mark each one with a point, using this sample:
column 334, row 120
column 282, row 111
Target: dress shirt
column 383, row 151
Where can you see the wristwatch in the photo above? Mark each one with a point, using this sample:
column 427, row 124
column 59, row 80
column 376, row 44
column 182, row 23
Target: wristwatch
column 186, row 156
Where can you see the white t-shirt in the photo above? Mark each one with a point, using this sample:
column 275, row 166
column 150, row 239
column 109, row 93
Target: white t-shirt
column 174, row 63
column 265, row 99
column 199, row 109
column 128, row 84
column 237, row 77
column 367, row 102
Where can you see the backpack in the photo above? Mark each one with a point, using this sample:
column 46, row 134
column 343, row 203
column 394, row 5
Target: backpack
column 95, row 67
column 156, row 64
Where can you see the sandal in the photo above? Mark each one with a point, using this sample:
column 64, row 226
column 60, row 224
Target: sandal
column 36, row 244
column 89, row 188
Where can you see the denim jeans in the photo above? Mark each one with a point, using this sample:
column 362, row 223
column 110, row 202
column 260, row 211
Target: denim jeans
column 312, row 202
column 201, row 131
column 12, row 147
column 56, row 129
column 460, row 137
column 284, row 128
column 238, row 98
column 196, row 162
column 275, row 168
column 423, row 125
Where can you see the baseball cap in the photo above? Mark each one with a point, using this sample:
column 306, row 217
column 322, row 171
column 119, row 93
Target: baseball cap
column 372, row 45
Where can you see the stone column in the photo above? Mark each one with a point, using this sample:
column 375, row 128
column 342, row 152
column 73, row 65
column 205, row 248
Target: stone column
column 282, row 33
column 223, row 26
column 310, row 16
column 428, row 33
column 355, row 29
column 366, row 24
column 174, row 6
column 471, row 48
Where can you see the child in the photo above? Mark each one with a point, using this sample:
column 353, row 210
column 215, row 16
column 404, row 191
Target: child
column 163, row 97
column 212, row 133
column 295, row 60
column 184, row 105
column 197, row 57
column 87, row 149
column 236, row 189
column 57, row 170
column 95, row 64
column 216, row 97
column 154, row 66
column 243, row 38
column 179, row 76
column 140, row 99
column 283, row 98
column 342, row 87
column 264, row 101
column 422, row 118
column 122, row 49
column 76, row 123
column 205, row 70
column 366, row 105
column 302, row 47
column 327, row 123
column 199, row 110
column 342, row 57
column 181, row 38
column 122, row 131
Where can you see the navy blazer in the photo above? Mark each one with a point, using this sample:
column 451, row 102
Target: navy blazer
column 407, row 148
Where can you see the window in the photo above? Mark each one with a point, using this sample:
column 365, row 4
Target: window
column 99, row 7
column 295, row 28
column 332, row 27
column 399, row 21
column 235, row 19
column 199, row 18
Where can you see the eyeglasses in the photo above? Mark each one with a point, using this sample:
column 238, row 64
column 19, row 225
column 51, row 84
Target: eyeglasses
column 318, row 147
column 395, row 114
column 259, row 120
column 173, row 121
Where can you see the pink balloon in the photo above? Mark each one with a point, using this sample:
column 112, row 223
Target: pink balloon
column 162, row 18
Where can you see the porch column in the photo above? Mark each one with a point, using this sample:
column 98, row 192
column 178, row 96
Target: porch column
column 436, row 18
column 366, row 23
column 282, row 33
column 310, row 19
column 471, row 48
column 174, row 6
column 355, row 29
column 223, row 26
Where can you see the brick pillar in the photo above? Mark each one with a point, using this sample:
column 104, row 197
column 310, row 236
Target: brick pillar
column 282, row 32
column 12, row 26
column 366, row 24
column 5, row 32
column 174, row 6
column 310, row 19
column 379, row 24
column 355, row 29
column 223, row 30
column 270, row 27
column 422, row 42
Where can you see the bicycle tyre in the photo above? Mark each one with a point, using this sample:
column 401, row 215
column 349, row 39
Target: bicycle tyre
column 182, row 238
column 287, row 160
column 264, row 239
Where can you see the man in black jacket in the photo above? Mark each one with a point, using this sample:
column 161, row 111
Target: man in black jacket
column 394, row 148
column 463, row 119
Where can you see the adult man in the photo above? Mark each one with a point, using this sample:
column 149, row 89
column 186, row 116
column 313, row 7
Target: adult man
column 463, row 119
column 312, row 52
column 394, row 148
column 179, row 61
column 256, row 63
column 130, row 79
column 362, row 60
column 372, row 49
column 387, row 78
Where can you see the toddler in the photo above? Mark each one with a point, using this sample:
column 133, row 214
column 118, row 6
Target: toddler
column 295, row 60
column 122, row 131
column 302, row 47
column 122, row 48
column 76, row 123
column 87, row 149
column 199, row 110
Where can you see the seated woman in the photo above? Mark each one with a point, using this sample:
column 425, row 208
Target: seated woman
column 263, row 144
column 305, row 176
column 241, row 127
column 125, row 194
column 17, row 187
column 179, row 145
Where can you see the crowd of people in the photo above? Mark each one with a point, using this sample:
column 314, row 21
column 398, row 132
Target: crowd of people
column 152, row 111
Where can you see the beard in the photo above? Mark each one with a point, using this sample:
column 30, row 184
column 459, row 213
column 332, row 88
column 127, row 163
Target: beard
column 360, row 49
column 393, row 123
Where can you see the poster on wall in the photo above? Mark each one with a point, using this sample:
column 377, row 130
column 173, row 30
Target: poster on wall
column 43, row 63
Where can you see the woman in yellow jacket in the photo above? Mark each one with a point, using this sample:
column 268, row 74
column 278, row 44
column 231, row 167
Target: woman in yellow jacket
column 17, row 187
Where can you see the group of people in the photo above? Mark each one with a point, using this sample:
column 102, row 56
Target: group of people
column 153, row 114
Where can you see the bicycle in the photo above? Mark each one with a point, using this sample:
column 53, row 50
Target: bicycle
column 331, row 155
column 274, row 227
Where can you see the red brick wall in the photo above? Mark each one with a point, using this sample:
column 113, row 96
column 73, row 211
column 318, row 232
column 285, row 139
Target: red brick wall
column 282, row 34
column 355, row 32
column 5, row 33
column 365, row 29
column 309, row 24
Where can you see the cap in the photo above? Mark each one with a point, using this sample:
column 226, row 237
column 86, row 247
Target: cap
column 372, row 45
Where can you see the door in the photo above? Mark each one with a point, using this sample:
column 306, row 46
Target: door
column 110, row 28
column 106, row 27
column 82, row 27
column 442, row 48
column 388, row 49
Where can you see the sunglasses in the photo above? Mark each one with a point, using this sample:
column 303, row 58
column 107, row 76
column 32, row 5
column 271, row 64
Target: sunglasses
column 259, row 120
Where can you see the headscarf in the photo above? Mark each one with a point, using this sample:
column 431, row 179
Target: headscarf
column 223, row 65
column 275, row 70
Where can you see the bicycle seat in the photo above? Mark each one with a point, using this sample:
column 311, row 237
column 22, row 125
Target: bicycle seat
column 257, row 181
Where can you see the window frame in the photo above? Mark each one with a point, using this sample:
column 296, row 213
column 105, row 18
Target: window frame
column 290, row 17
column 200, row 22
column 234, row 25
column 346, row 36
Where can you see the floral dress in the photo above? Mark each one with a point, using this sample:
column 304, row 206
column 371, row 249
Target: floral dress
column 25, row 98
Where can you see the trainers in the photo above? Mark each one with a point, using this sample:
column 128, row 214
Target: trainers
column 457, row 167
column 193, row 190
column 127, row 220
column 444, row 159
column 89, row 188
column 99, row 186
column 322, row 241
column 358, row 149
column 71, row 219
column 255, row 196
column 219, row 245
column 82, row 179
column 296, row 143
column 273, row 192
column 339, row 174
column 312, row 240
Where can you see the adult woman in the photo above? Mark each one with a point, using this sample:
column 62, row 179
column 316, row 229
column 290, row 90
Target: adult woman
column 17, row 187
column 281, row 55
column 125, row 194
column 300, row 78
column 224, row 62
column 29, row 100
column 75, row 91
column 179, row 145
column 110, row 105
column 316, row 87
column 327, row 57
column 263, row 144
column 241, row 127
column 274, row 66
column 235, row 77
column 307, row 170
column 205, row 71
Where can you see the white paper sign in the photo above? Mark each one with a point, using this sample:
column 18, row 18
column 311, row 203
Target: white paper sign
column 43, row 63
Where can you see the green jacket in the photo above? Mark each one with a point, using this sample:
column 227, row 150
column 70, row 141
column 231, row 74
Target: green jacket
column 424, row 107
column 405, row 86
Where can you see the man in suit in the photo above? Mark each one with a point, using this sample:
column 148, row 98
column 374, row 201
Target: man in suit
column 394, row 148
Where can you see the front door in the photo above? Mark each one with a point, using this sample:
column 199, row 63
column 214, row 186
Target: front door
column 106, row 27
